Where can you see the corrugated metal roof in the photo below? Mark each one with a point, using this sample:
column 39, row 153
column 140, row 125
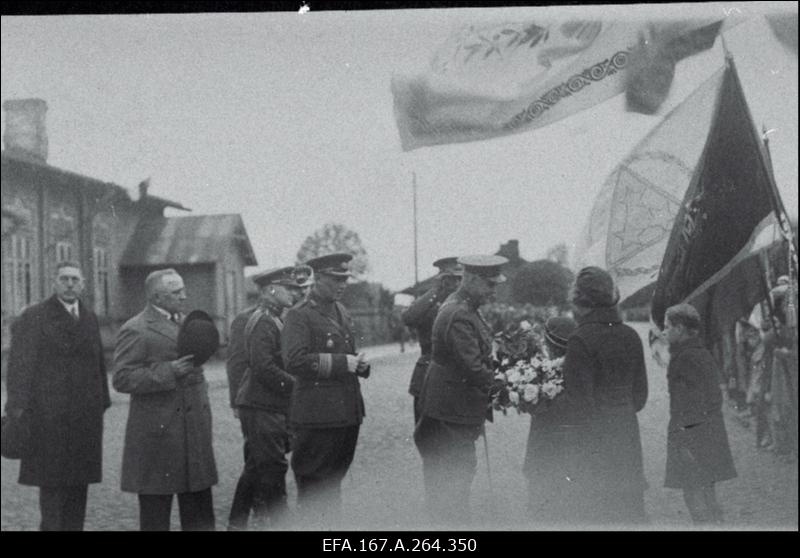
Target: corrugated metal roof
column 187, row 240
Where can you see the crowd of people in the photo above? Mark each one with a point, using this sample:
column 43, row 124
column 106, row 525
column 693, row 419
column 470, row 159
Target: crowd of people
column 762, row 383
column 294, row 376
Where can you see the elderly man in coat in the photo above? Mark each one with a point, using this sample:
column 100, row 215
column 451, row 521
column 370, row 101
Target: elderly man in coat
column 57, row 380
column 455, row 398
column 605, row 385
column 168, row 439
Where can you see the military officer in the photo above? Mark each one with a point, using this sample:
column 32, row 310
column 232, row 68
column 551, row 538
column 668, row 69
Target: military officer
column 303, row 276
column 262, row 401
column 455, row 397
column 420, row 315
column 237, row 356
column 327, row 407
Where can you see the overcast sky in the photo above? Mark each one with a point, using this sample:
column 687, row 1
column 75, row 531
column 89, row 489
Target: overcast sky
column 288, row 120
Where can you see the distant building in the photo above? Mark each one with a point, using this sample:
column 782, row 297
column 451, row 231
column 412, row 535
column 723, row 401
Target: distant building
column 51, row 214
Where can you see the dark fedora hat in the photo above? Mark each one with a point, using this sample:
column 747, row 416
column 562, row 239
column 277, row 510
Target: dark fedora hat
column 198, row 336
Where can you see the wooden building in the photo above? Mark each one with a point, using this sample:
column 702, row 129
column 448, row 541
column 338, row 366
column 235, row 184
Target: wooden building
column 51, row 214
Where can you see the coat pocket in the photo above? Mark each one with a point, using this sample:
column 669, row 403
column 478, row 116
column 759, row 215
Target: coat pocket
column 153, row 413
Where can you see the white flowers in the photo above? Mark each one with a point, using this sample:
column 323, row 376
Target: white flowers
column 530, row 393
column 527, row 383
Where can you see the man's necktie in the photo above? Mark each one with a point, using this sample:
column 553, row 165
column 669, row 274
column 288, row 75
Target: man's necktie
column 175, row 318
column 74, row 312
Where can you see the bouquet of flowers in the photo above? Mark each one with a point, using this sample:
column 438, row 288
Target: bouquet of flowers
column 524, row 375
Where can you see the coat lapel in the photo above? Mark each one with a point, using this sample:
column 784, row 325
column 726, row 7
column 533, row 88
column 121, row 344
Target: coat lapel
column 160, row 324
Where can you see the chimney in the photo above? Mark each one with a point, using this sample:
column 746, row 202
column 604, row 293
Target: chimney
column 26, row 133
column 510, row 250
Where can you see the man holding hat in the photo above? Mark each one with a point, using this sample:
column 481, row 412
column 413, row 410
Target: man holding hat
column 455, row 397
column 168, row 438
column 327, row 408
column 262, row 401
column 605, row 385
column 421, row 314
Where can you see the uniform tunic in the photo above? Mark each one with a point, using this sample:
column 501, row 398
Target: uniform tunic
column 263, row 402
column 421, row 315
column 326, row 406
column 454, row 405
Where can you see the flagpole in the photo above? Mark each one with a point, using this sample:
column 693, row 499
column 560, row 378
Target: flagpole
column 416, row 263
column 791, row 254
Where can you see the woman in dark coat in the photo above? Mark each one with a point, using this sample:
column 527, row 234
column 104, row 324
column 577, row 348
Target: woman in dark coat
column 605, row 385
column 698, row 454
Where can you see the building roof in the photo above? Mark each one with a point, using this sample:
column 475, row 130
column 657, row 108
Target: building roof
column 187, row 240
column 95, row 185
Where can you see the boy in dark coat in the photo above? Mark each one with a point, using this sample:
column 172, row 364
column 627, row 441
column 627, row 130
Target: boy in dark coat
column 698, row 454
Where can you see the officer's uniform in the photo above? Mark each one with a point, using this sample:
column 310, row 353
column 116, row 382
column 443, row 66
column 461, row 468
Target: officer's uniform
column 262, row 399
column 420, row 316
column 455, row 400
column 327, row 406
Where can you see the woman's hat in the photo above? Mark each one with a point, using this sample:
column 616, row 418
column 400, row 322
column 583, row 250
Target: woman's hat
column 558, row 329
column 198, row 336
column 594, row 288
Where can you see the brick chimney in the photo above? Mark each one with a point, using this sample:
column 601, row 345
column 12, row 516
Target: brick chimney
column 26, row 133
column 510, row 250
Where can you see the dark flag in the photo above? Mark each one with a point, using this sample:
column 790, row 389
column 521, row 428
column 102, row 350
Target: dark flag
column 729, row 201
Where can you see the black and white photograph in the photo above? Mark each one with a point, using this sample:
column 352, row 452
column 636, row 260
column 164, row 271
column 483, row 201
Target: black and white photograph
column 425, row 272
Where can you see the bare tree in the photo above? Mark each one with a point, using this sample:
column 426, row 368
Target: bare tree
column 334, row 237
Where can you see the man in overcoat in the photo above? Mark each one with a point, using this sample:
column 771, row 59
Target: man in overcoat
column 455, row 398
column 420, row 316
column 168, row 438
column 319, row 350
column 57, row 378
column 605, row 385
column 262, row 401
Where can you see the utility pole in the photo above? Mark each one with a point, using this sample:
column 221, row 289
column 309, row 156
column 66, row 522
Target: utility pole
column 414, row 189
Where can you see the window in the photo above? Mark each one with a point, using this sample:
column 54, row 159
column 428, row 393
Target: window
column 63, row 251
column 101, row 287
column 18, row 273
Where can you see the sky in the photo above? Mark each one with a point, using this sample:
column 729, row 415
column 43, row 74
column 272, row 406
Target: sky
column 287, row 119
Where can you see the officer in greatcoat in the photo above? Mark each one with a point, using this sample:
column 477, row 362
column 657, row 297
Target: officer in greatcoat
column 57, row 382
column 168, row 438
column 327, row 408
column 456, row 394
column 421, row 314
column 262, row 401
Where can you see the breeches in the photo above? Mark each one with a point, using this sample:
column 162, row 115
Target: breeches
column 449, row 462
column 320, row 460
column 262, row 484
